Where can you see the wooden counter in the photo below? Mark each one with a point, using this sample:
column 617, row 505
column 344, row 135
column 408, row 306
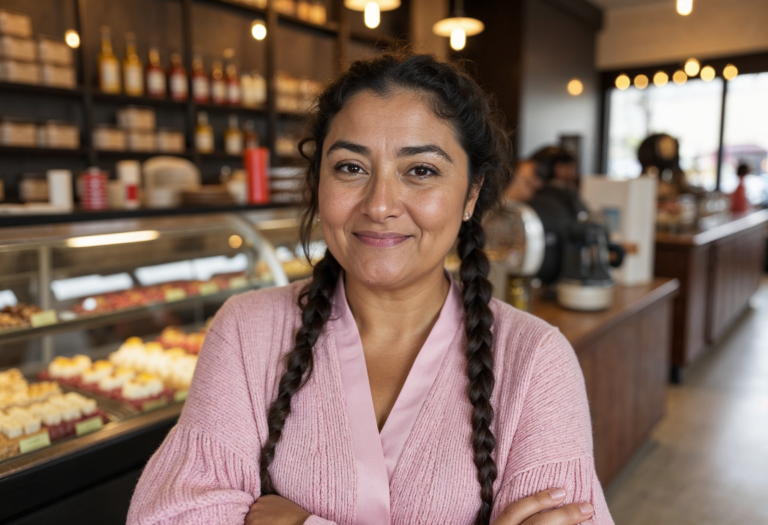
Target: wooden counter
column 719, row 268
column 623, row 352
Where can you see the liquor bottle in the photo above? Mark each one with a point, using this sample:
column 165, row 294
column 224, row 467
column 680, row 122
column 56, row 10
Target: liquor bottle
column 133, row 71
column 233, row 86
column 109, row 66
column 203, row 134
column 259, row 84
column 155, row 75
column 250, row 137
column 177, row 79
column 233, row 137
column 201, row 86
column 218, row 86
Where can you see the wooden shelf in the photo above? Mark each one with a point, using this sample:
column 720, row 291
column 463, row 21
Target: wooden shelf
column 47, row 152
column 223, row 155
column 137, row 101
column 215, row 108
column 33, row 89
column 141, row 154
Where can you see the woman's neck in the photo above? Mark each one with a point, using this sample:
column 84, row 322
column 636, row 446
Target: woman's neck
column 402, row 314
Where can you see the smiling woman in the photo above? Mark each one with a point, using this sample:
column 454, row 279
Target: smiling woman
column 381, row 390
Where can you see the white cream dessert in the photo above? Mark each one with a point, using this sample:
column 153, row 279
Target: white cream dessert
column 142, row 387
column 97, row 372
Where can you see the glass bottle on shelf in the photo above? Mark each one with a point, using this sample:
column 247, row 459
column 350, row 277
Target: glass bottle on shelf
column 155, row 75
column 233, row 137
column 233, row 86
column 246, row 91
column 203, row 134
column 250, row 137
column 133, row 70
column 177, row 79
column 218, row 86
column 201, row 86
column 108, row 65
column 259, row 85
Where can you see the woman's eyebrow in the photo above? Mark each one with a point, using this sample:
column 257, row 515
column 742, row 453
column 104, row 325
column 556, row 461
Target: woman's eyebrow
column 350, row 146
column 409, row 151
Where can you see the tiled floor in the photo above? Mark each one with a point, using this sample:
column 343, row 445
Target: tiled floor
column 707, row 462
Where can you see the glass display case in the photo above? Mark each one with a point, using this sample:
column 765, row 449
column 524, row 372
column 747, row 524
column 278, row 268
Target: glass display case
column 101, row 324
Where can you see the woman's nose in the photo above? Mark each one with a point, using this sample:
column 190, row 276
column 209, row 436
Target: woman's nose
column 383, row 196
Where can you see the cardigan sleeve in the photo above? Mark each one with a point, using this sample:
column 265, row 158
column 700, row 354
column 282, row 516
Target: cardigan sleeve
column 552, row 446
column 206, row 471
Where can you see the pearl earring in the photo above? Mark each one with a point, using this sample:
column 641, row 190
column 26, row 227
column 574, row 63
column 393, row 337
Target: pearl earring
column 466, row 216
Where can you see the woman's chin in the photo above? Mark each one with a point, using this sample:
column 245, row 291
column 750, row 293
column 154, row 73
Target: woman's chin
column 381, row 273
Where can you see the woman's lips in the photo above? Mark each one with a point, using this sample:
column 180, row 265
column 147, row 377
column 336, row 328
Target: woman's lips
column 380, row 239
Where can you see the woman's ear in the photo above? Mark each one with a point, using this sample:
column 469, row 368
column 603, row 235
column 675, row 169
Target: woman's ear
column 474, row 193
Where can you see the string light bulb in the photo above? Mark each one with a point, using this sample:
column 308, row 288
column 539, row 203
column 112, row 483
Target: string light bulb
column 730, row 72
column 72, row 38
column 623, row 82
column 641, row 81
column 372, row 9
column 692, row 67
column 684, row 7
column 575, row 87
column 708, row 73
column 458, row 27
column 259, row 30
column 679, row 77
column 660, row 79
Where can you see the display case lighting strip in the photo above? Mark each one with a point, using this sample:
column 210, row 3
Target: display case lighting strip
column 112, row 238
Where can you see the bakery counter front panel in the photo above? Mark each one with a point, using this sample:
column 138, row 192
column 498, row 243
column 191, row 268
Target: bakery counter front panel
column 100, row 328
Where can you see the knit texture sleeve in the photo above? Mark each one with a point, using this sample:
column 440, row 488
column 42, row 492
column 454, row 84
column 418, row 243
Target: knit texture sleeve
column 206, row 471
column 552, row 446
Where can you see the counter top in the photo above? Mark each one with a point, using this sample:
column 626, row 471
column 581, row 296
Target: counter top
column 730, row 225
column 583, row 328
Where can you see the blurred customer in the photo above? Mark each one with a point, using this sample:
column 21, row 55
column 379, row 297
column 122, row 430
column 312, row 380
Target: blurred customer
column 557, row 204
column 525, row 183
column 739, row 203
column 659, row 156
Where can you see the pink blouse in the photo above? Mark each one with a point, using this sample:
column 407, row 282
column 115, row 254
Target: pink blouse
column 377, row 454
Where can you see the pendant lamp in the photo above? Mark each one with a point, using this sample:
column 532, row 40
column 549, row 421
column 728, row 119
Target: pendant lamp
column 458, row 27
column 372, row 9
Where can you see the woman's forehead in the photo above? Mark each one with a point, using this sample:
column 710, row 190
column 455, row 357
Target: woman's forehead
column 402, row 118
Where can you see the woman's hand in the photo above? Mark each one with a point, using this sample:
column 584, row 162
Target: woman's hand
column 274, row 510
column 536, row 510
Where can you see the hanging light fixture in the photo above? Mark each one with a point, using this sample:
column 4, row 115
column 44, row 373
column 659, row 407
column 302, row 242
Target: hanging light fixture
column 458, row 27
column 684, row 7
column 372, row 9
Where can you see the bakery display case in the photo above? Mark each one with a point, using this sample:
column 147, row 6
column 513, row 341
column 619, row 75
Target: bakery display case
column 100, row 327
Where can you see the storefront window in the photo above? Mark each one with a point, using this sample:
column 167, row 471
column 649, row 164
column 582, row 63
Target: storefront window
column 746, row 135
column 689, row 112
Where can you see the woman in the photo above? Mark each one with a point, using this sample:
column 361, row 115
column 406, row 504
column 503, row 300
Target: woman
column 382, row 391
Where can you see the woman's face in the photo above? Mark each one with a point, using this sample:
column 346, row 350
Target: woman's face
column 393, row 188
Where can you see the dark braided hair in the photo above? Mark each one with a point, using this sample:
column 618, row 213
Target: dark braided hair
column 479, row 127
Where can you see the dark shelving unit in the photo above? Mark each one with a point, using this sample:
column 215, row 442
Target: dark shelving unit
column 89, row 106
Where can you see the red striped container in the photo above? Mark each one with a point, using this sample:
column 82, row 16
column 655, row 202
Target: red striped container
column 93, row 190
column 256, row 163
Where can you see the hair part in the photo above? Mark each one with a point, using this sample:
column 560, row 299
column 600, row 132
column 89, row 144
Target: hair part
column 480, row 130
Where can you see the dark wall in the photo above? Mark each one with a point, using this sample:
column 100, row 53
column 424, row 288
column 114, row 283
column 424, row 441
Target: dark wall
column 526, row 56
column 558, row 45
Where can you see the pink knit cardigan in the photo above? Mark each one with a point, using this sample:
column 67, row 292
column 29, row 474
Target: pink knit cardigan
column 207, row 470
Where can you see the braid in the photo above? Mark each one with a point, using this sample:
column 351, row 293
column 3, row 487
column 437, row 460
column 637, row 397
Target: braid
column 315, row 304
column 477, row 292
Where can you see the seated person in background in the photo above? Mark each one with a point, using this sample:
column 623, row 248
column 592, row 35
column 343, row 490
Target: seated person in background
column 525, row 184
column 557, row 205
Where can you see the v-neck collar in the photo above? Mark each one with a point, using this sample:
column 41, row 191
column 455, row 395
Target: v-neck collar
column 377, row 454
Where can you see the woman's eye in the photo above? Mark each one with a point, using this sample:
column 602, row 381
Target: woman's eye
column 422, row 171
column 353, row 169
